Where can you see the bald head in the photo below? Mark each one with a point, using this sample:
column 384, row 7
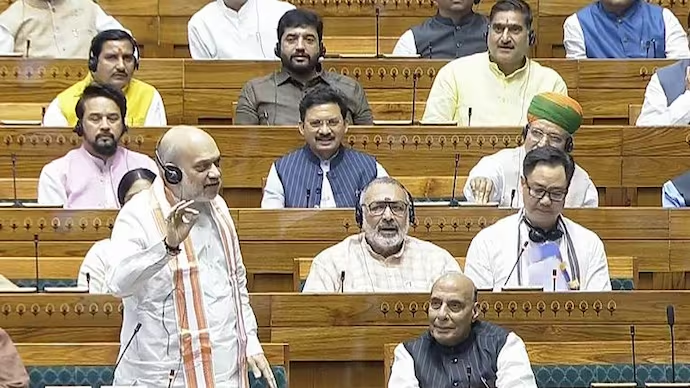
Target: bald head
column 182, row 138
column 194, row 152
column 457, row 282
column 452, row 308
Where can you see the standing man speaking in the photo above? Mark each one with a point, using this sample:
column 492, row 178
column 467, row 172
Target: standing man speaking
column 179, row 270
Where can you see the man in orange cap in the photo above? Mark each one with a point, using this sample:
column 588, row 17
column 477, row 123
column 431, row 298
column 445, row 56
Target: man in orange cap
column 552, row 120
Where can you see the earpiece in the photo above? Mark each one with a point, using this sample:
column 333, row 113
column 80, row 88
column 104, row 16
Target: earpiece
column 359, row 216
column 539, row 235
column 276, row 51
column 477, row 2
column 532, row 37
column 79, row 128
column 171, row 173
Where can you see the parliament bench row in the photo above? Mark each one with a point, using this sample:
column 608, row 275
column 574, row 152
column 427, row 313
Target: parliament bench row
column 629, row 165
column 338, row 340
column 63, row 271
column 202, row 92
column 659, row 239
column 160, row 26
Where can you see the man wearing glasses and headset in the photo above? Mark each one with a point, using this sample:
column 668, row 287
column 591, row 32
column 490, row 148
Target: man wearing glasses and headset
column 383, row 258
column 552, row 120
column 322, row 173
column 539, row 247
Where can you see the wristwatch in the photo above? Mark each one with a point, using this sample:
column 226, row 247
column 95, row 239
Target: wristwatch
column 172, row 251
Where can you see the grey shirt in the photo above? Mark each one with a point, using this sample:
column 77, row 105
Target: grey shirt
column 274, row 99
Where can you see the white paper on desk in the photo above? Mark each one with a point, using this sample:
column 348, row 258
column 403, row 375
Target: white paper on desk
column 542, row 259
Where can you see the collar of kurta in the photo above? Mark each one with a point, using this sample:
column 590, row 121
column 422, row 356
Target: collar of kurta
column 465, row 20
column 244, row 9
column 100, row 163
column 334, row 160
column 630, row 12
column 396, row 256
column 44, row 4
column 516, row 75
column 459, row 348
column 284, row 76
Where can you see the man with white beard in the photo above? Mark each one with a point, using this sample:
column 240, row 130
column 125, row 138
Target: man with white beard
column 383, row 258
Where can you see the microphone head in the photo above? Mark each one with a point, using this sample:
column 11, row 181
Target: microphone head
column 671, row 315
column 632, row 330
column 36, row 238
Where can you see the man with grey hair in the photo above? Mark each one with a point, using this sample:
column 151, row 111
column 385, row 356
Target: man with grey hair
column 382, row 258
column 178, row 257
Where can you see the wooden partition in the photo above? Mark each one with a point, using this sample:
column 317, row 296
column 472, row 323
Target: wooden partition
column 337, row 340
column 659, row 239
column 204, row 91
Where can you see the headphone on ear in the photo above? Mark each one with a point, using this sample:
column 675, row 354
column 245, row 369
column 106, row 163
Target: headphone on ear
column 539, row 235
column 477, row 2
column 359, row 216
column 93, row 59
column 532, row 36
column 569, row 144
column 171, row 173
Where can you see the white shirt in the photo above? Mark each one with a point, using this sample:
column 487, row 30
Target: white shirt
column 406, row 45
column 95, row 264
column 274, row 193
column 656, row 111
column 352, row 266
column 140, row 272
column 103, row 22
column 676, row 39
column 154, row 118
column 219, row 32
column 504, row 169
column 513, row 367
column 494, row 251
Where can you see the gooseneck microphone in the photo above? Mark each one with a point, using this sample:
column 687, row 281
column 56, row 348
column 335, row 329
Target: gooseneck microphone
column 131, row 338
column 517, row 261
column 14, row 181
column 342, row 282
column 469, row 376
column 671, row 320
column 554, row 276
column 632, row 345
column 414, row 97
column 378, row 34
column 454, row 201
column 469, row 116
column 36, row 261
column 308, row 196
column 512, row 197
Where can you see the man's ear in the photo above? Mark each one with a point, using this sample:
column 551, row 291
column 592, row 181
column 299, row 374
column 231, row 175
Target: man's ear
column 300, row 127
column 475, row 312
column 347, row 127
column 523, row 182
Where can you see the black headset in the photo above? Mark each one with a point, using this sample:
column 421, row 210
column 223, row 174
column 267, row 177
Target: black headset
column 359, row 216
column 105, row 36
column 171, row 173
column 569, row 145
column 477, row 2
column 539, row 235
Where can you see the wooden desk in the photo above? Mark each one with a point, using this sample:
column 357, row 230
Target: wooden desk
column 337, row 340
column 271, row 239
column 604, row 87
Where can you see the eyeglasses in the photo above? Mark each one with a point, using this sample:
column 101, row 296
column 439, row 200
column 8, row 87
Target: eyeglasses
column 537, row 134
column 554, row 196
column 377, row 208
column 330, row 123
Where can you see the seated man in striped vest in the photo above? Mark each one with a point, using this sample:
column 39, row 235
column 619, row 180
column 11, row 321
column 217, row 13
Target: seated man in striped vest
column 459, row 350
column 323, row 173
column 113, row 59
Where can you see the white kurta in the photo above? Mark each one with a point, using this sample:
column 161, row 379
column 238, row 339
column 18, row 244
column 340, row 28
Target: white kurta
column 513, row 367
column 218, row 32
column 414, row 269
column 155, row 117
column 494, row 251
column 274, row 193
column 142, row 274
column 95, row 264
column 504, row 169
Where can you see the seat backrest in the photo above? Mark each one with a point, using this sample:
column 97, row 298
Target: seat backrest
column 633, row 113
column 21, row 112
